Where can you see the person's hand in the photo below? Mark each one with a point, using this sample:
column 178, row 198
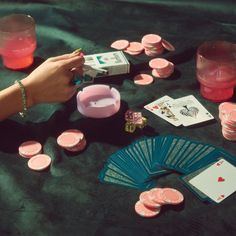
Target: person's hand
column 52, row 80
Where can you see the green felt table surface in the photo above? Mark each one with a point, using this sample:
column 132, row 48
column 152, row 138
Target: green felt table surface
column 68, row 199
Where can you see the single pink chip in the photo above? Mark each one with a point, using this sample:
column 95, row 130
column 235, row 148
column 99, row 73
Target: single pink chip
column 167, row 45
column 155, row 195
column 30, row 148
column 159, row 63
column 171, row 196
column 39, row 162
column 226, row 107
column 144, row 198
column 151, row 39
column 144, row 211
column 70, row 138
column 143, row 79
column 120, row 44
column 135, row 47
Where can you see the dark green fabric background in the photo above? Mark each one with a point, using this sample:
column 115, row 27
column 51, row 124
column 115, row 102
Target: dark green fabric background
column 68, row 199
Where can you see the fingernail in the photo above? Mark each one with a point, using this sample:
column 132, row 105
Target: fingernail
column 77, row 51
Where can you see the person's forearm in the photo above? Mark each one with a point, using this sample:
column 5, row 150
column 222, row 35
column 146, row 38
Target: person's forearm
column 11, row 101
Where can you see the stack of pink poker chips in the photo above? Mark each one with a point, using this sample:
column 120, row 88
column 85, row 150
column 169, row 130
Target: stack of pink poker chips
column 150, row 202
column 152, row 44
column 32, row 150
column 72, row 140
column 161, row 68
column 227, row 114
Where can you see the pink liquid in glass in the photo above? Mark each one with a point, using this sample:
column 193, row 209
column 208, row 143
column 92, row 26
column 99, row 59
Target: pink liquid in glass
column 216, row 70
column 216, row 84
column 18, row 53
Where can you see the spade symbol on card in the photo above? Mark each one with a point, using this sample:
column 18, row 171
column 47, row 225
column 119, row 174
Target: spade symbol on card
column 221, row 179
column 191, row 111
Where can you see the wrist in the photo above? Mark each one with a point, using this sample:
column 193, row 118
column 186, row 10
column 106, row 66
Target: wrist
column 29, row 95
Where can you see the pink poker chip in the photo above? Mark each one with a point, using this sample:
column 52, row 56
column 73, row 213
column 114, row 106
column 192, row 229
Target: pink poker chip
column 226, row 107
column 135, row 47
column 29, row 149
column 70, row 138
column 171, row 196
column 144, row 211
column 143, row 79
column 153, row 52
column 79, row 147
column 229, row 137
column 39, row 162
column 159, row 63
column 228, row 126
column 144, row 198
column 120, row 44
column 155, row 195
column 230, row 118
column 156, row 74
column 167, row 45
column 151, row 39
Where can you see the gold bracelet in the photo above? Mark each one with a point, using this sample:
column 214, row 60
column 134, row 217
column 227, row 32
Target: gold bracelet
column 23, row 96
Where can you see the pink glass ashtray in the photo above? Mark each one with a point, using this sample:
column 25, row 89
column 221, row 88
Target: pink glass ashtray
column 98, row 101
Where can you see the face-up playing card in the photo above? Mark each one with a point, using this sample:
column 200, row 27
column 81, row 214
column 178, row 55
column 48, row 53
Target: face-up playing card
column 189, row 110
column 159, row 108
column 185, row 179
column 217, row 181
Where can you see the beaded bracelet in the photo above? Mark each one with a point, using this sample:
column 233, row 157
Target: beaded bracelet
column 23, row 95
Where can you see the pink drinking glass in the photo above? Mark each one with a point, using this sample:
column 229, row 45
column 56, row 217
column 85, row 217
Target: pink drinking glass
column 216, row 70
column 17, row 40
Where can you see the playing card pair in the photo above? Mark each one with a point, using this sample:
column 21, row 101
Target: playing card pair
column 184, row 111
column 142, row 162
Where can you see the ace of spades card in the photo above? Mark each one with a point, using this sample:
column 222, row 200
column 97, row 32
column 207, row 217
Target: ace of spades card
column 189, row 110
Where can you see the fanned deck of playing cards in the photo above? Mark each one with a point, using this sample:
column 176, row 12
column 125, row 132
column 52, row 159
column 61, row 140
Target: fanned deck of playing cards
column 141, row 163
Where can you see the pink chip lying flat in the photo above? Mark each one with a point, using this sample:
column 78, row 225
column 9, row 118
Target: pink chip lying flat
column 120, row 44
column 70, row 138
column 135, row 47
column 144, row 211
column 167, row 45
column 39, row 162
column 30, row 148
column 144, row 198
column 171, row 196
column 143, row 79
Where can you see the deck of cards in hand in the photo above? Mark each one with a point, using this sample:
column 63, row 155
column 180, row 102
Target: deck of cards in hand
column 140, row 164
